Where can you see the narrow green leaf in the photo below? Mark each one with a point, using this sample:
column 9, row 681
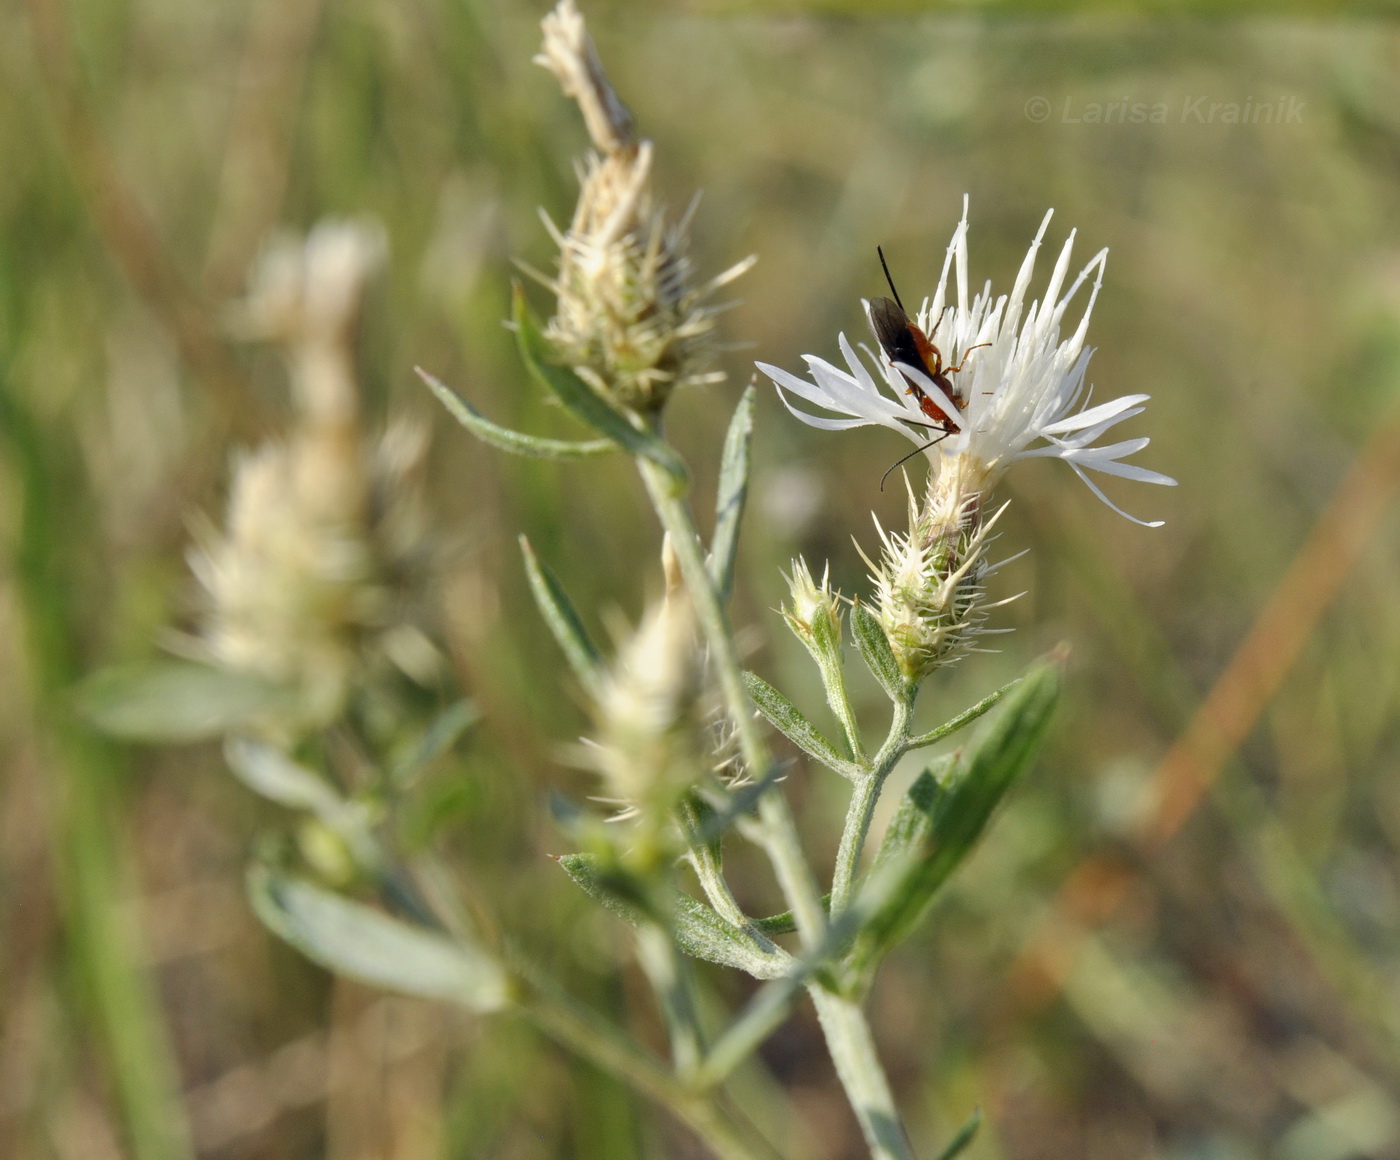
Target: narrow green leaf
column 442, row 734
column 964, row 1137
column 699, row 931
column 941, row 819
column 563, row 620
column 503, row 438
column 966, row 717
column 875, row 648
column 582, row 399
column 789, row 721
column 177, row 701
column 365, row 944
column 733, row 490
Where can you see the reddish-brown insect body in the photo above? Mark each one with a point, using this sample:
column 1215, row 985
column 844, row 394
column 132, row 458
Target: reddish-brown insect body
column 906, row 345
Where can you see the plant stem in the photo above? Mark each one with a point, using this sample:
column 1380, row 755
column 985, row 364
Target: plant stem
column 580, row 1030
column 847, row 1034
column 853, row 1051
column 864, row 796
column 670, row 978
column 834, row 681
column 794, row 875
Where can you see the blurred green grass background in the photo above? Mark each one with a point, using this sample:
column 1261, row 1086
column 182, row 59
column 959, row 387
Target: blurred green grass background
column 1243, row 1001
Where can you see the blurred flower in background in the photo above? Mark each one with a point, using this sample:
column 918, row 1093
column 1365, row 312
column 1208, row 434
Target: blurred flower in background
column 306, row 582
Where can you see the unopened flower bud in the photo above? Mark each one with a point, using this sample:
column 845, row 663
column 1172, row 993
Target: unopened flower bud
column 628, row 320
column 815, row 612
column 649, row 712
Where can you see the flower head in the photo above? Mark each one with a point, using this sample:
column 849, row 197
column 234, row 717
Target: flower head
column 630, row 319
column 1017, row 390
column 312, row 581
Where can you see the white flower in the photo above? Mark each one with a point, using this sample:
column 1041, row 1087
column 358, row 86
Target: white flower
column 1021, row 392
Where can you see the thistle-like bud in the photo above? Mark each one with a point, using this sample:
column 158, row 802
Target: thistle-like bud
column 815, row 612
column 321, row 527
column 629, row 319
column 649, row 712
column 929, row 596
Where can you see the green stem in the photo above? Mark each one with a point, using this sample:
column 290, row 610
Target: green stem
column 580, row 1030
column 789, row 863
column 852, row 1049
column 669, row 975
column 864, row 796
column 847, row 1034
column 834, row 681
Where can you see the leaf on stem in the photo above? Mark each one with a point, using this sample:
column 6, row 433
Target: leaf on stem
column 963, row 1138
column 941, row 818
column 732, row 492
column 177, row 701
column 442, row 734
column 875, row 648
column 503, row 438
column 563, row 620
column 582, row 399
column 785, row 717
column 365, row 944
column 268, row 771
column 966, row 717
column 698, row 930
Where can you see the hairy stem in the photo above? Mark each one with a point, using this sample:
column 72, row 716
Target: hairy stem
column 581, row 1030
column 852, row 1049
column 864, row 797
column 834, row 681
column 789, row 863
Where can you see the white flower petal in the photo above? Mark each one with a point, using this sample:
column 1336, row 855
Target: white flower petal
column 1024, row 385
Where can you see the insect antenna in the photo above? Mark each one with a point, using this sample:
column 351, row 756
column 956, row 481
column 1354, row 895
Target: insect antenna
column 888, row 278
column 907, row 458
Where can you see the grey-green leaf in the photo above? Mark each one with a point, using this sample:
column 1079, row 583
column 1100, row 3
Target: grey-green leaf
column 733, row 490
column 875, row 648
column 365, row 944
column 699, row 931
column 582, row 399
column 268, row 771
column 503, row 438
column 177, row 701
column 788, row 720
column 563, row 620
column 941, row 819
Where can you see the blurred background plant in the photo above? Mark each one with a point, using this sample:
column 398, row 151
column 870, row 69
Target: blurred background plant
column 1133, row 966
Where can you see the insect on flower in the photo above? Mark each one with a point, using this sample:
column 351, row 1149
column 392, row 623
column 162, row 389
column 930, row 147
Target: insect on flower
column 905, row 345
